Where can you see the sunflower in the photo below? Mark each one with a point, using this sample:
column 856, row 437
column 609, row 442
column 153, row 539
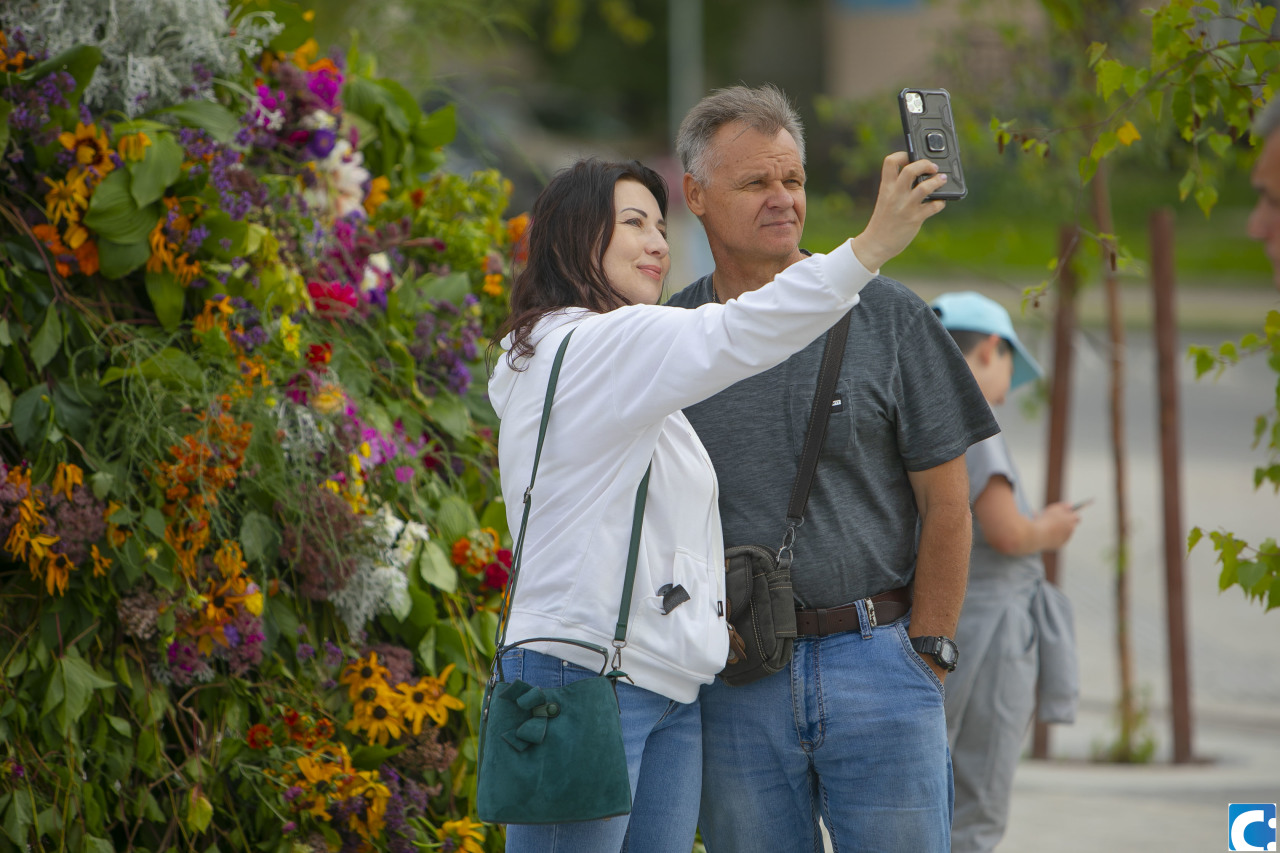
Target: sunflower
column 465, row 835
column 91, row 148
column 427, row 698
column 364, row 673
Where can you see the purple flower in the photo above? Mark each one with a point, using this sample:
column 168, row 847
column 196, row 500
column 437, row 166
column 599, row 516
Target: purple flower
column 292, row 794
column 332, row 654
column 320, row 143
column 306, row 651
column 326, row 85
column 404, row 473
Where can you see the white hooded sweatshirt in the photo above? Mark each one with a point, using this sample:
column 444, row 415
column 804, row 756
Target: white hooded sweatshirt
column 626, row 375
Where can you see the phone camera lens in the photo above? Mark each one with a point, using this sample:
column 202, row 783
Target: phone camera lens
column 935, row 142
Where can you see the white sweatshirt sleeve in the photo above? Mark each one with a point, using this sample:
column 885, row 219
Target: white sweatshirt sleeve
column 655, row 360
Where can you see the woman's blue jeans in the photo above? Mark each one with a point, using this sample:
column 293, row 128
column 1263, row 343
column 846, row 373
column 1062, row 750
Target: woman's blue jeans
column 853, row 730
column 663, row 741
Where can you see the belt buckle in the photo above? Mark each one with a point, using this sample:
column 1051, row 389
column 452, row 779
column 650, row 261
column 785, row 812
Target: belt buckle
column 871, row 611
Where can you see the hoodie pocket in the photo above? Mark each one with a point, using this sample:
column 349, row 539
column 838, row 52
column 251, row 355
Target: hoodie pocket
column 682, row 621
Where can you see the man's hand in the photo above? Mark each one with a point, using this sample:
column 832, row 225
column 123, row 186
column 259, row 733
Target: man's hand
column 900, row 209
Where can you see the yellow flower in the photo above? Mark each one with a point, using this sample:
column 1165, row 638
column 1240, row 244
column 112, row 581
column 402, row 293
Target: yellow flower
column 90, row 146
column 100, row 563
column 377, row 713
column 364, row 673
column 329, row 399
column 58, row 573
column 133, row 146
column 465, row 835
column 493, row 285
column 290, row 336
column 65, row 477
column 377, row 194
column 66, row 198
column 427, row 698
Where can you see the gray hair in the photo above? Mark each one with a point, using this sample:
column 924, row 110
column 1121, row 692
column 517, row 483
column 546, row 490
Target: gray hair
column 1268, row 121
column 764, row 109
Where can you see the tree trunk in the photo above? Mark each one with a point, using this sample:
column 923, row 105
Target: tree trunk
column 1101, row 198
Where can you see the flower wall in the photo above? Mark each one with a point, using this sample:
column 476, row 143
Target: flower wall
column 251, row 549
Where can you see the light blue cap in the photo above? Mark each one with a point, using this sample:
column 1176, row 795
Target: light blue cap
column 968, row 311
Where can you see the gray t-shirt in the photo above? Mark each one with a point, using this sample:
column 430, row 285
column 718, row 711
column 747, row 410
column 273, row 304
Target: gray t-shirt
column 987, row 459
column 907, row 401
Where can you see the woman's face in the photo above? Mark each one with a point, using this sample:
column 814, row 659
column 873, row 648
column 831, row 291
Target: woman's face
column 637, row 259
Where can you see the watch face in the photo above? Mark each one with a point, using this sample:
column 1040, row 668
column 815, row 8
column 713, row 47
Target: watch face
column 948, row 654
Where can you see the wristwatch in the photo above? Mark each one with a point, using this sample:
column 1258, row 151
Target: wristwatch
column 943, row 650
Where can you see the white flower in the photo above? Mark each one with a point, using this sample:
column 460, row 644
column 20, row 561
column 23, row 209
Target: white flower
column 318, row 120
column 377, row 273
column 340, row 180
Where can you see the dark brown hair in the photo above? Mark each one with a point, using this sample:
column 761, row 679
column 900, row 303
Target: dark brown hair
column 569, row 230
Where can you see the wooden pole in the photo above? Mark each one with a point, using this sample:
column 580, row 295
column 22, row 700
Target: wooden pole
column 1166, row 332
column 1064, row 333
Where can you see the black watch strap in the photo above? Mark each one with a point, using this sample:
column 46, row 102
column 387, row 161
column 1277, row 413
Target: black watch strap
column 943, row 650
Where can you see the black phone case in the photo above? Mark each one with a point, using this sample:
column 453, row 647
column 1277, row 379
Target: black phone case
column 932, row 134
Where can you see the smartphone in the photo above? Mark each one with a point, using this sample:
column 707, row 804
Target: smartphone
column 1076, row 507
column 931, row 133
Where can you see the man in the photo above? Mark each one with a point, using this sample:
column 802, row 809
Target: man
column 853, row 730
column 1264, row 222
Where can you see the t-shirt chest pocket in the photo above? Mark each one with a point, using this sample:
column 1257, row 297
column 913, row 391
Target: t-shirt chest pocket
column 839, row 425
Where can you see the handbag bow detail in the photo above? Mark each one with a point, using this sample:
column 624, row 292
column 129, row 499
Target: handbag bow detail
column 533, row 730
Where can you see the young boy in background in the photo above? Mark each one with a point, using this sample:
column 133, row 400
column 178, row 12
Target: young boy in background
column 1015, row 628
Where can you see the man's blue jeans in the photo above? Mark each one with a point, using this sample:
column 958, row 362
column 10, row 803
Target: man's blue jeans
column 853, row 730
column 663, row 740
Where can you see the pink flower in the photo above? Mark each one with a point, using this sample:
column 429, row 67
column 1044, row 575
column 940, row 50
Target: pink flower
column 333, row 299
column 404, row 474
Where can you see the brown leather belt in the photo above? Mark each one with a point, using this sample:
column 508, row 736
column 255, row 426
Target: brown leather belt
column 883, row 608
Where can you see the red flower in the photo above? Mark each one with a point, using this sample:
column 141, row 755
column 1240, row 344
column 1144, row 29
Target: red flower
column 259, row 736
column 495, row 576
column 318, row 355
column 333, row 299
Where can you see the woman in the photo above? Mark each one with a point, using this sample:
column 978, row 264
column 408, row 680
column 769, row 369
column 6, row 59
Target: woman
column 596, row 264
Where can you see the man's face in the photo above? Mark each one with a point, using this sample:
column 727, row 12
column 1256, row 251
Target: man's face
column 1264, row 222
column 753, row 206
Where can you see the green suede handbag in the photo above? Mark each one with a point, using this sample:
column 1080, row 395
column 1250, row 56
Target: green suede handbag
column 555, row 755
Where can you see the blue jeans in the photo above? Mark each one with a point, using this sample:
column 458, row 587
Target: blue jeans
column 663, row 741
column 853, row 730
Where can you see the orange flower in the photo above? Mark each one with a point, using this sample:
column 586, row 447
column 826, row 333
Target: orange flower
column 66, row 477
column 67, row 198
column 100, row 563
column 87, row 256
column 52, row 240
column 493, row 285
column 377, row 194
column 133, row 146
column 259, row 736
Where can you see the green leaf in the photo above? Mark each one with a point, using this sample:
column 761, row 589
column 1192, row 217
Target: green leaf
column 221, row 124
column 1248, row 573
column 153, row 520
column 6, row 400
column 5, row 338
column 1194, row 537
column 19, row 817
column 1088, row 168
column 1096, row 50
column 167, row 298
column 117, row 260
column 1111, row 74
column 5, row 109
column 436, row 569
column 259, row 537
column 199, row 811
column 93, row 844
column 1220, row 143
column 451, row 414
column 31, row 414
column 170, row 366
column 1184, row 186
column 157, row 170
column 47, row 341
column 1206, row 197
column 80, row 62
column 439, row 128
column 115, row 215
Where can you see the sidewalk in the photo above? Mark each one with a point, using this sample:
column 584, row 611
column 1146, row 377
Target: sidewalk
column 1070, row 805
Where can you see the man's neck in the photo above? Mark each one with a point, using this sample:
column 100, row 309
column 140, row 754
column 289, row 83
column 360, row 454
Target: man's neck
column 733, row 277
